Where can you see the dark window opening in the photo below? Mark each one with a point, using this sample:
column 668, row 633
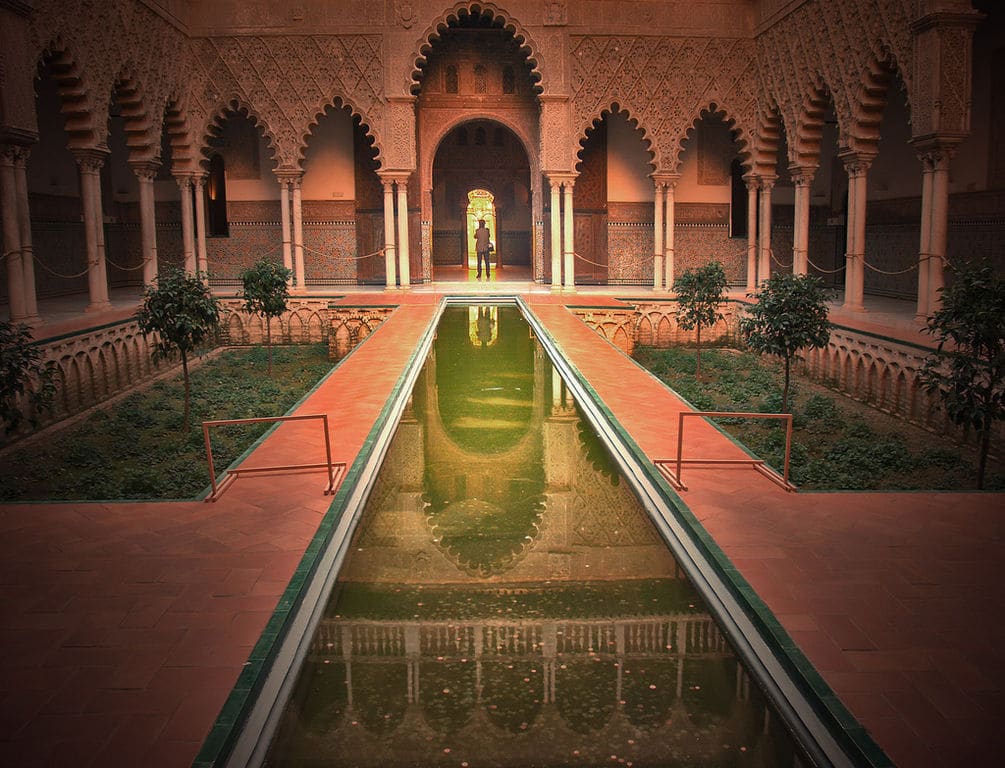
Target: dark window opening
column 738, row 200
column 216, row 199
column 480, row 136
column 508, row 80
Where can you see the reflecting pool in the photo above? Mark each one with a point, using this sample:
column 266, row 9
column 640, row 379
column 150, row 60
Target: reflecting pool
column 507, row 601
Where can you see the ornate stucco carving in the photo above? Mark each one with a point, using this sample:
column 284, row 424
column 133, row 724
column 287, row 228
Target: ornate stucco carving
column 663, row 83
column 287, row 81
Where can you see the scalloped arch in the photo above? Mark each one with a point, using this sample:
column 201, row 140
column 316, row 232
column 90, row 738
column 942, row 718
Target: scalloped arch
column 139, row 128
column 346, row 104
column 870, row 99
column 239, row 106
column 615, row 109
column 806, row 140
column 434, row 31
column 75, row 92
column 746, row 150
column 179, row 132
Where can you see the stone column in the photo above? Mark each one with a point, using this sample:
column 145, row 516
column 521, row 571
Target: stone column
column 403, row 266
column 24, row 232
column 752, row 185
column 389, row 250
column 924, row 248
column 90, row 162
column 803, row 178
column 556, row 233
column 202, row 260
column 658, row 235
column 12, row 235
column 298, row 236
column 284, row 213
column 670, row 224
column 568, row 246
column 146, row 171
column 940, row 223
column 184, row 181
column 857, row 165
column 764, row 252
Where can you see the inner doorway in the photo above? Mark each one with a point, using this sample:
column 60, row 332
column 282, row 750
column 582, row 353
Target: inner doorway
column 481, row 207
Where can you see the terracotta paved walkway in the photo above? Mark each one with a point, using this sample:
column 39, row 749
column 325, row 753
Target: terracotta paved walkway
column 124, row 626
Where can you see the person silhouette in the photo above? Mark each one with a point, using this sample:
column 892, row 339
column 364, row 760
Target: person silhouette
column 482, row 246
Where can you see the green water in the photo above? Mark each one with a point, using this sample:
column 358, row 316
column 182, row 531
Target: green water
column 507, row 602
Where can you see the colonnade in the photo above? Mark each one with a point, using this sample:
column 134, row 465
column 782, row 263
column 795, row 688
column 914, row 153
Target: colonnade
column 935, row 156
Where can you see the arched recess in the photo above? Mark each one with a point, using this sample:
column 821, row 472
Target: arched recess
column 881, row 134
column 67, row 124
column 342, row 199
column 467, row 14
column 612, row 194
column 249, row 152
column 474, row 68
column 503, row 166
column 706, row 192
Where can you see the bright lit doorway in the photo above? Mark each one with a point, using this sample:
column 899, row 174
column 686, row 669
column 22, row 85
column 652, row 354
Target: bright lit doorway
column 481, row 205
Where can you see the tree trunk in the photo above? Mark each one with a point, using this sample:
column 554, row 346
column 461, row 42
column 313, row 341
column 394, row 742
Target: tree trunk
column 785, row 388
column 697, row 370
column 184, row 368
column 268, row 336
column 982, row 455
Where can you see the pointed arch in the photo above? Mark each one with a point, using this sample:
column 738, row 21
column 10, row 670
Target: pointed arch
column 455, row 14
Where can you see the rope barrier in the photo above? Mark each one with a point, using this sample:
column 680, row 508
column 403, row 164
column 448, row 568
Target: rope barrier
column 59, row 274
column 594, row 263
column 127, row 269
column 822, row 270
column 339, row 255
column 771, row 253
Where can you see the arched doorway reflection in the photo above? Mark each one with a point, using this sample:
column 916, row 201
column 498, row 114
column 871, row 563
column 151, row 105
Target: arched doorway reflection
column 481, row 207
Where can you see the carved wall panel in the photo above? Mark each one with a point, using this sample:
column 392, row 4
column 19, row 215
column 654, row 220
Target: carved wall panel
column 664, row 83
column 286, row 82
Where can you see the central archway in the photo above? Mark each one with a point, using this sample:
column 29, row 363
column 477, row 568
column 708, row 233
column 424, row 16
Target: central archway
column 481, row 170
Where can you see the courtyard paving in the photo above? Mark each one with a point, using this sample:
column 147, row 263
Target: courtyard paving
column 123, row 626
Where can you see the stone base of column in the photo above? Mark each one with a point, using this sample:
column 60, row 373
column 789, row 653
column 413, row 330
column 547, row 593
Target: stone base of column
column 98, row 306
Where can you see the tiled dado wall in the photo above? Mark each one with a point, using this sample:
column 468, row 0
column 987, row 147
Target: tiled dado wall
column 255, row 231
column 874, row 369
column 98, row 363
column 701, row 235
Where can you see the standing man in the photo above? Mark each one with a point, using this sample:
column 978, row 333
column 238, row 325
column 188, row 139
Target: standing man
column 482, row 247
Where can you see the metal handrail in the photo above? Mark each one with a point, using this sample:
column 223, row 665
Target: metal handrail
column 335, row 469
column 758, row 464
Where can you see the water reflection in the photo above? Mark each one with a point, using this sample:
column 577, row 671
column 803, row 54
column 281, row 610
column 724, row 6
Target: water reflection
column 508, row 603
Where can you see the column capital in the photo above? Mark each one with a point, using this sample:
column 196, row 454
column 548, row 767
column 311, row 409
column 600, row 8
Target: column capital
column 856, row 162
column 145, row 169
column 90, row 158
column 767, row 182
column 395, row 177
column 288, row 175
column 936, row 152
column 562, row 177
column 802, row 175
column 665, row 179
